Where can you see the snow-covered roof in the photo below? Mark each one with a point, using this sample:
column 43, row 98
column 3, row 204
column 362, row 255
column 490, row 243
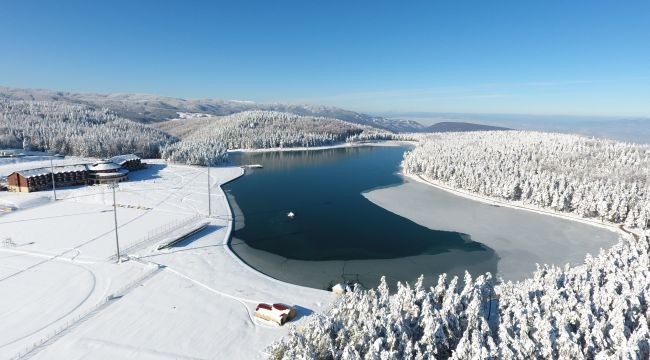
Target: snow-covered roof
column 57, row 170
column 118, row 173
column 105, row 166
column 121, row 159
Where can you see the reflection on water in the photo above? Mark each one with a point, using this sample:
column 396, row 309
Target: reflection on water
column 338, row 234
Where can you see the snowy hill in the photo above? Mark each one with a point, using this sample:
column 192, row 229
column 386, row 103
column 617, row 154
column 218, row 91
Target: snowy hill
column 206, row 140
column 85, row 130
column 153, row 108
column 74, row 129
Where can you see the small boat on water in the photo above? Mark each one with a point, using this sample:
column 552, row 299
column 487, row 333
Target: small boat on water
column 291, row 215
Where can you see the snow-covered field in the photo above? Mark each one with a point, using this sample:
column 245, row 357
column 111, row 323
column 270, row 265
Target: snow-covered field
column 63, row 294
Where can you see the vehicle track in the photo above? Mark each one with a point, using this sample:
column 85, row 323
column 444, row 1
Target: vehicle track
column 77, row 306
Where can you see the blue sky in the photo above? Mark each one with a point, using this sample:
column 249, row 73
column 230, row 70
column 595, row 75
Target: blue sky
column 542, row 57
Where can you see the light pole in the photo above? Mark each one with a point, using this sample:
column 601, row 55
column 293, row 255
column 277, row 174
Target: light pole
column 53, row 185
column 117, row 240
column 209, row 195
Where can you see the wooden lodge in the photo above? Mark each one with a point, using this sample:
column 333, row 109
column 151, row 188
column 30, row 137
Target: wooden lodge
column 41, row 178
column 113, row 170
column 106, row 172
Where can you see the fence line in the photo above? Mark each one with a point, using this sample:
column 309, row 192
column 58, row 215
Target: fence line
column 49, row 338
column 157, row 234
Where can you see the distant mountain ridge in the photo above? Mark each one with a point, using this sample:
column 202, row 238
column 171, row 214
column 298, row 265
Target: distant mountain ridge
column 449, row 126
column 148, row 108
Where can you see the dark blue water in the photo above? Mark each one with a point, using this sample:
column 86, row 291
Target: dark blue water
column 334, row 225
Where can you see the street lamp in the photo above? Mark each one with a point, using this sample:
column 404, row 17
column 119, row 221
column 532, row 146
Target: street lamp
column 117, row 240
column 53, row 183
column 209, row 195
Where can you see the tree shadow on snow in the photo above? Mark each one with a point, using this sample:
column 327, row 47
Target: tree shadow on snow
column 301, row 312
column 148, row 173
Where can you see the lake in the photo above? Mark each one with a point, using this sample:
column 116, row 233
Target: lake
column 356, row 219
column 337, row 234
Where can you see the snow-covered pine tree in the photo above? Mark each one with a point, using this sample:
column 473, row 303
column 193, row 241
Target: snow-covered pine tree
column 596, row 310
column 592, row 178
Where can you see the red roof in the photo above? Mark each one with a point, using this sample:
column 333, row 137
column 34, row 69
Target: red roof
column 280, row 307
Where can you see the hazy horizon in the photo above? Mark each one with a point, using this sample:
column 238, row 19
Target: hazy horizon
column 421, row 116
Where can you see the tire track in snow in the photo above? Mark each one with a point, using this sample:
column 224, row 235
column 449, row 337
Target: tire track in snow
column 81, row 303
column 242, row 301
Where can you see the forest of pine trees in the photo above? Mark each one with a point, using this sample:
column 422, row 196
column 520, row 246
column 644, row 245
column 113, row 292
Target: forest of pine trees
column 598, row 310
column 81, row 130
column 593, row 178
column 75, row 130
column 258, row 130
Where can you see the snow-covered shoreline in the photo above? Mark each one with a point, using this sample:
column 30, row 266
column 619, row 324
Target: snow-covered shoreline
column 517, row 205
column 519, row 239
column 591, row 178
column 327, row 147
column 227, row 241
